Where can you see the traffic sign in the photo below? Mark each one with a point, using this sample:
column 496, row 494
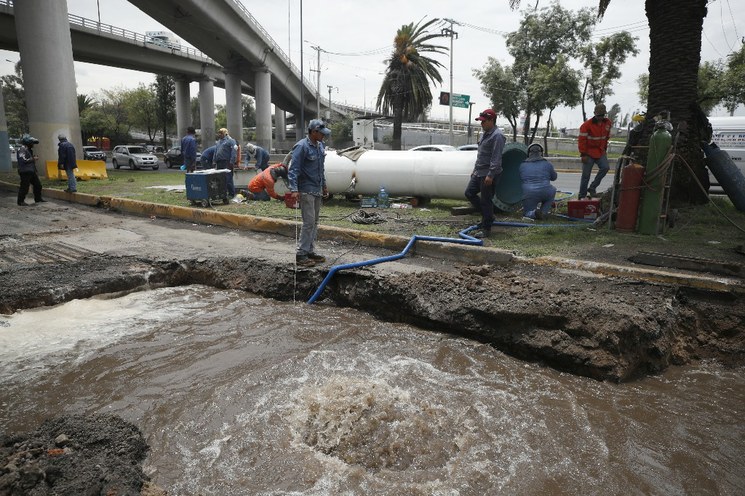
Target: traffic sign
column 457, row 99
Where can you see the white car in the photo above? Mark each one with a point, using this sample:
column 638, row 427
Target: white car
column 433, row 148
column 133, row 156
column 472, row 146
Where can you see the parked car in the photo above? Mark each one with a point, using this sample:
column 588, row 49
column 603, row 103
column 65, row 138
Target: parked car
column 175, row 158
column 433, row 148
column 93, row 153
column 472, row 146
column 134, row 157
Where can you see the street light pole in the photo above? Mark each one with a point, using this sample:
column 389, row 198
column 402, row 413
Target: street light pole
column 300, row 127
column 364, row 93
column 452, row 34
column 470, row 107
column 318, row 49
column 330, row 87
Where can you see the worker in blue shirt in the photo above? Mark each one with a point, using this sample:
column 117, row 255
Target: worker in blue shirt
column 226, row 153
column 189, row 149
column 208, row 156
column 261, row 156
column 308, row 185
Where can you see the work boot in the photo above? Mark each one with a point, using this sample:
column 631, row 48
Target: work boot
column 483, row 234
column 304, row 261
column 22, row 204
column 592, row 192
column 316, row 257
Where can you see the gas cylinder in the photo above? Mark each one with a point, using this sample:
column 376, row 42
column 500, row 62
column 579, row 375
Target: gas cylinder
column 628, row 198
column 650, row 209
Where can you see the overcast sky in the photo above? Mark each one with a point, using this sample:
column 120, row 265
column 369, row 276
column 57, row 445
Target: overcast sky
column 356, row 37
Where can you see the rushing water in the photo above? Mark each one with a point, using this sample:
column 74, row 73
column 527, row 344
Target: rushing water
column 241, row 395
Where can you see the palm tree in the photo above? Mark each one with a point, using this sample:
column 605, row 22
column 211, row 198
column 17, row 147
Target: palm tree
column 675, row 28
column 405, row 90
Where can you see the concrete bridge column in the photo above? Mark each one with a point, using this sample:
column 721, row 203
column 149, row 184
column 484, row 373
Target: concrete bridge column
column 263, row 87
column 233, row 107
column 45, row 46
column 183, row 106
column 6, row 159
column 207, row 112
column 280, row 133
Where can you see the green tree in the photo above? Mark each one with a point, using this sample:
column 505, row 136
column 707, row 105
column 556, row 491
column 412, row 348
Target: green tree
column 113, row 104
column 85, row 102
column 710, row 86
column 405, row 92
column 341, row 132
column 94, row 123
column 614, row 114
column 603, row 61
column 142, row 108
column 248, row 111
column 14, row 98
column 221, row 116
column 675, row 28
column 551, row 86
column 734, row 80
column 504, row 91
column 543, row 36
column 164, row 89
column 195, row 112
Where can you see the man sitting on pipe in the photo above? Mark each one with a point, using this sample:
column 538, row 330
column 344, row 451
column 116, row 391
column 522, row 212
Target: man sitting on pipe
column 262, row 185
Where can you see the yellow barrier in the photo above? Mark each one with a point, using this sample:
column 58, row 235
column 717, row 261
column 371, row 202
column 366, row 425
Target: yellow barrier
column 87, row 169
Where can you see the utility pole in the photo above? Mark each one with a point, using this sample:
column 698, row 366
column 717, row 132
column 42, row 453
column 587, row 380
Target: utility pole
column 318, row 80
column 452, row 34
column 364, row 93
column 330, row 87
column 470, row 108
column 301, row 126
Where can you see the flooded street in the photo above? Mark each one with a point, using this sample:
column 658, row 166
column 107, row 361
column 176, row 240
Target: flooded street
column 238, row 394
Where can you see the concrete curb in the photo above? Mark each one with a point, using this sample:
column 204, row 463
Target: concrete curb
column 448, row 251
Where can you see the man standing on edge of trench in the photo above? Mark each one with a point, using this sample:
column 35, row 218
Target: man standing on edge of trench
column 486, row 171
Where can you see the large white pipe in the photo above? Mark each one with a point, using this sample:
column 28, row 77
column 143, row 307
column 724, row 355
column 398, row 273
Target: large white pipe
column 401, row 173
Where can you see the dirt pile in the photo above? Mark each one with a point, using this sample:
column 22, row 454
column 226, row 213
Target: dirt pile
column 81, row 455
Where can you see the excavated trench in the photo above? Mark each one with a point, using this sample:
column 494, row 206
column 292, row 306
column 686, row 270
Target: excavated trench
column 607, row 328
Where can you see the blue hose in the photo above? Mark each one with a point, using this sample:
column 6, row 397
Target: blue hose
column 466, row 240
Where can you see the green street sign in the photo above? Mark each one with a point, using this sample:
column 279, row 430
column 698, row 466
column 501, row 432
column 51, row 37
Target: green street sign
column 460, row 100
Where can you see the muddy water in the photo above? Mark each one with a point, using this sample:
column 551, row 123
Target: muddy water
column 240, row 395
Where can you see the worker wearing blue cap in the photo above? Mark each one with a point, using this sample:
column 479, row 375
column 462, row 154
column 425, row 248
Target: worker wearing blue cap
column 308, row 184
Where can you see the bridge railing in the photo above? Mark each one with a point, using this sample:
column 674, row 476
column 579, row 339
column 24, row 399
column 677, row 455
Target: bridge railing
column 271, row 43
column 138, row 38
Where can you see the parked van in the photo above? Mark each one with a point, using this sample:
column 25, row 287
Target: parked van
column 729, row 135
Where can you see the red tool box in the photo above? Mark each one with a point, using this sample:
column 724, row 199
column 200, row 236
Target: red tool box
column 583, row 209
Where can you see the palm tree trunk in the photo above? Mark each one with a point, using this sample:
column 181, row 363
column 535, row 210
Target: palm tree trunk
column 675, row 28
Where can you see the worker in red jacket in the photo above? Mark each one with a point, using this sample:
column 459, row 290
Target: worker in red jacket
column 593, row 145
column 265, row 181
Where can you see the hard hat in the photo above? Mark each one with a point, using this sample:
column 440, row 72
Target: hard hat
column 250, row 147
column 27, row 139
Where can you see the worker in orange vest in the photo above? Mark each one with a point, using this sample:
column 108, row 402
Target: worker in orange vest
column 264, row 182
column 593, row 145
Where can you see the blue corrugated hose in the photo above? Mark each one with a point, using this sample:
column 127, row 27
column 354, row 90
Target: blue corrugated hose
column 465, row 239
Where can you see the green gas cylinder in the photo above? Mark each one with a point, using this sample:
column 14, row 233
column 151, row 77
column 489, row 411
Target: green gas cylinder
column 653, row 194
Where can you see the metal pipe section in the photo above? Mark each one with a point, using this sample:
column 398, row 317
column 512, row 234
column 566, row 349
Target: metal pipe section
column 466, row 239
